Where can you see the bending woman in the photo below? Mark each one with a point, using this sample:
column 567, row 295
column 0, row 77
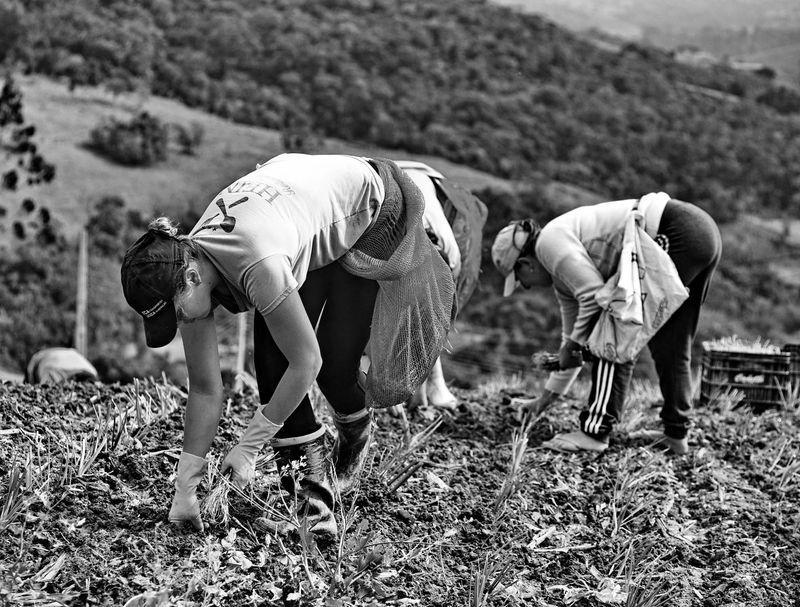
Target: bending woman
column 576, row 253
column 304, row 240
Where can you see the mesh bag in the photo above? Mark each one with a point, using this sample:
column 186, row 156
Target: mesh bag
column 416, row 296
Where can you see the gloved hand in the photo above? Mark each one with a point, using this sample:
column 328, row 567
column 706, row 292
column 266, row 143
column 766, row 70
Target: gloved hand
column 570, row 355
column 538, row 406
column 185, row 506
column 241, row 460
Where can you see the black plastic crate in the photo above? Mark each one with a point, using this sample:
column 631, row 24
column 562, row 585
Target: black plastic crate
column 764, row 379
column 794, row 352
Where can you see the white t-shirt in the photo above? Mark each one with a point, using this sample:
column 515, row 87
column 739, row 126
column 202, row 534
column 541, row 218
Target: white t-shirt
column 293, row 214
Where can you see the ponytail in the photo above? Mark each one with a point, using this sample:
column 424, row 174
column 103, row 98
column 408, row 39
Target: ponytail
column 163, row 225
column 166, row 227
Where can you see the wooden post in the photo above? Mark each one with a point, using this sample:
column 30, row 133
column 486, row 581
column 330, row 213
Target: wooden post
column 241, row 350
column 81, row 298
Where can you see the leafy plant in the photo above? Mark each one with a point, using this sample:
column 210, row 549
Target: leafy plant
column 142, row 141
column 519, row 443
column 14, row 502
column 486, row 577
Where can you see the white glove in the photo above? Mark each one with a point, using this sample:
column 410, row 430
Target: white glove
column 185, row 506
column 241, row 460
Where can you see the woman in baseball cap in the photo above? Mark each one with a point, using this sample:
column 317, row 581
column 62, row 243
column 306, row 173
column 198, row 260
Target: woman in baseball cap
column 512, row 255
column 577, row 252
column 302, row 239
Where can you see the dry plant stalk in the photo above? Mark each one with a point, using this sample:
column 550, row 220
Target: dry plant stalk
column 788, row 473
column 395, row 469
column 735, row 344
column 400, row 476
column 216, row 504
column 646, row 587
column 519, row 444
column 85, row 451
column 348, row 518
column 627, row 503
column 784, row 474
column 14, row 501
column 727, row 399
column 641, row 396
column 421, row 437
column 790, row 396
column 485, row 580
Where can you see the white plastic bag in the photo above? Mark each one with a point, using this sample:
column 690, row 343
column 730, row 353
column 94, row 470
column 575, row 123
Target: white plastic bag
column 627, row 321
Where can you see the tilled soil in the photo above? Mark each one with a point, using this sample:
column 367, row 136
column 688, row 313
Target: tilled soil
column 87, row 471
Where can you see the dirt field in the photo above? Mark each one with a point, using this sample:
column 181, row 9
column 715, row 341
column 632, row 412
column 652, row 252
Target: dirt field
column 484, row 518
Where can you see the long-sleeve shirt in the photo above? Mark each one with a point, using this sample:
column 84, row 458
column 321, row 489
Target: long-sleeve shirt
column 580, row 249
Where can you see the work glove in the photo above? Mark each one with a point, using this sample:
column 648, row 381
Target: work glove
column 241, row 460
column 185, row 506
column 539, row 405
column 570, row 355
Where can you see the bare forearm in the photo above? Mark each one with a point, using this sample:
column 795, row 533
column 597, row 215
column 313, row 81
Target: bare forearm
column 203, row 411
column 560, row 381
column 294, row 385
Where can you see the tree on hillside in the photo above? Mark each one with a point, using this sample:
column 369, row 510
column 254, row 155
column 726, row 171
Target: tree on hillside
column 37, row 272
column 23, row 166
column 11, row 27
column 36, row 277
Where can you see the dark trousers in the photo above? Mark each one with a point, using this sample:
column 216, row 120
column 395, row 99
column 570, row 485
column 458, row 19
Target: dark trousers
column 340, row 306
column 695, row 247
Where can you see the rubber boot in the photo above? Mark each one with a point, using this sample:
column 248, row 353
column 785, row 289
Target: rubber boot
column 305, row 473
column 351, row 447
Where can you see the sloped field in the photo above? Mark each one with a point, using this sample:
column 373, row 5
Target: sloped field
column 462, row 509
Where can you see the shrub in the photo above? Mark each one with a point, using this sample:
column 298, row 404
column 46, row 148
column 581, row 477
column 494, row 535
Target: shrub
column 782, row 99
column 140, row 142
column 189, row 138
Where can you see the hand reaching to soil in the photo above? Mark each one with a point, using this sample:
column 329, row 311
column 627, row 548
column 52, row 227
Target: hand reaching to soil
column 241, row 466
column 535, row 407
column 185, row 507
column 241, row 460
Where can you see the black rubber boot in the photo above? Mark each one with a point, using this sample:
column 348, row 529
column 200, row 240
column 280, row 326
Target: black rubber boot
column 305, row 472
column 350, row 449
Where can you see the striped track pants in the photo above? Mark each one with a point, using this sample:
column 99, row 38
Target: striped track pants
column 606, row 398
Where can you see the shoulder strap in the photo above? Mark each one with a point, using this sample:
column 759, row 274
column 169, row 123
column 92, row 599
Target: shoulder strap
column 637, row 214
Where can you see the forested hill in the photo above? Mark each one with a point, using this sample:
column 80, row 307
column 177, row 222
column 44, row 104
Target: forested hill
column 475, row 83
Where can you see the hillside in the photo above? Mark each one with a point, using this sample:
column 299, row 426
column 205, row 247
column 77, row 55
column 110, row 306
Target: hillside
column 184, row 184
column 65, row 118
column 766, row 33
column 492, row 335
column 478, row 84
column 678, row 16
column 532, row 118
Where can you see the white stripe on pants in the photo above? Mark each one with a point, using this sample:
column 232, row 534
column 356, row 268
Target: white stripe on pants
column 603, row 391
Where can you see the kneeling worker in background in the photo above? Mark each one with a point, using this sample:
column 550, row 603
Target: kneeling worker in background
column 55, row 365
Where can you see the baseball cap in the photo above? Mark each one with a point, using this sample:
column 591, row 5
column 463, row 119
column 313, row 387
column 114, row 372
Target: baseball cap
column 148, row 273
column 507, row 247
